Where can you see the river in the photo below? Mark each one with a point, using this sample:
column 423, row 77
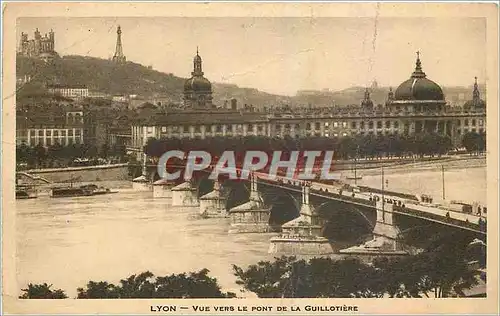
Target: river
column 69, row 241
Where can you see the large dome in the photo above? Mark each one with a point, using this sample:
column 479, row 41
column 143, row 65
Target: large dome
column 418, row 87
column 198, row 83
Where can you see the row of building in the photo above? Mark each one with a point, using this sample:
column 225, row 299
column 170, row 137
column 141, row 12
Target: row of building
column 417, row 105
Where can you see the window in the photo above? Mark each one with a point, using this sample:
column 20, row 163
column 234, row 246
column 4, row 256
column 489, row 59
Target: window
column 473, row 122
column 185, row 128
column 335, row 124
column 327, row 135
column 370, row 125
column 63, row 133
column 379, row 124
column 459, row 122
column 260, row 128
column 353, row 125
column 250, row 127
column 48, row 133
column 344, row 124
column 387, row 124
column 77, row 132
column 335, row 135
column 163, row 129
column 308, row 126
column 317, row 127
column 70, row 133
column 56, row 133
column 344, row 134
column 77, row 140
column 466, row 123
column 362, row 125
column 197, row 129
column 40, row 133
column 480, row 122
column 277, row 127
column 326, row 124
column 396, row 124
column 48, row 141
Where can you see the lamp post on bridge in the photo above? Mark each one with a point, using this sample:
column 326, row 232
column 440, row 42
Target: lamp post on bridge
column 442, row 176
column 383, row 194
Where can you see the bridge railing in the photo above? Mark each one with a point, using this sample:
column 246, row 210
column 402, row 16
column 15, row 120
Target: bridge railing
column 481, row 225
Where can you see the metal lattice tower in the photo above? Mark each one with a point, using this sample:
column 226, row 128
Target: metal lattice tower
column 119, row 57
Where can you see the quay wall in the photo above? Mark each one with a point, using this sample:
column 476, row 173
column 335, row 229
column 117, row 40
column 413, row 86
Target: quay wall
column 84, row 174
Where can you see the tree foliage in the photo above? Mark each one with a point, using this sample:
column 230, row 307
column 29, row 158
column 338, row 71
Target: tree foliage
column 145, row 285
column 441, row 269
column 474, row 142
column 42, row 291
column 348, row 147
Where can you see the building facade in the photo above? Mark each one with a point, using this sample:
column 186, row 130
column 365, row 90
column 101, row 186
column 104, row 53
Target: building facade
column 55, row 124
column 417, row 106
column 69, row 91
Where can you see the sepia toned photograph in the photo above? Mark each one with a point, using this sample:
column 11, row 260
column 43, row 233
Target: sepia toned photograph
column 242, row 158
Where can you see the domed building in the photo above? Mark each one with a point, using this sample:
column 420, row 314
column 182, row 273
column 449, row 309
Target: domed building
column 418, row 94
column 197, row 89
column 476, row 103
column 423, row 99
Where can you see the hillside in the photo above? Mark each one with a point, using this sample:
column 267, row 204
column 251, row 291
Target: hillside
column 132, row 78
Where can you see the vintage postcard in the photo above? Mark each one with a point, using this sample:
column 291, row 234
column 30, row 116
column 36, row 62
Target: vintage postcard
column 250, row 158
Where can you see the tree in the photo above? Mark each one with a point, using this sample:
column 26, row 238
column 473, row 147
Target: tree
column 145, row 285
column 320, row 277
column 104, row 150
column 474, row 142
column 42, row 291
column 442, row 266
column 98, row 290
column 40, row 154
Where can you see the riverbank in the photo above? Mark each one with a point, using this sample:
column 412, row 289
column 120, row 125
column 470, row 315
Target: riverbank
column 83, row 174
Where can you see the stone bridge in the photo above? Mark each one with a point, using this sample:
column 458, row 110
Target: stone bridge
column 311, row 214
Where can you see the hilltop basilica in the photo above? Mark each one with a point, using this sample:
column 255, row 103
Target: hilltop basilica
column 41, row 47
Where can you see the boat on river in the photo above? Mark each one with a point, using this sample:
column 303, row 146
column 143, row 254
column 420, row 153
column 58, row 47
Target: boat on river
column 84, row 190
column 26, row 191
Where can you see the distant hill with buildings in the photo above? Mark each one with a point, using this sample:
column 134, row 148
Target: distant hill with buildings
column 134, row 79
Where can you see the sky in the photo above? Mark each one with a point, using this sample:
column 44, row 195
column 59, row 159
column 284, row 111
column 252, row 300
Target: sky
column 284, row 55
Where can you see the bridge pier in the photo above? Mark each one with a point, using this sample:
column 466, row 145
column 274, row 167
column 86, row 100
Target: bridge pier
column 162, row 189
column 385, row 235
column 142, row 183
column 252, row 216
column 302, row 235
column 213, row 204
column 185, row 195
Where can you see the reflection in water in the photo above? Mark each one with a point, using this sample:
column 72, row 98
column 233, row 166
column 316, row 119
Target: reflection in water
column 69, row 241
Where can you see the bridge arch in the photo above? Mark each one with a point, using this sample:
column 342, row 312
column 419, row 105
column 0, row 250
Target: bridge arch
column 284, row 206
column 346, row 222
